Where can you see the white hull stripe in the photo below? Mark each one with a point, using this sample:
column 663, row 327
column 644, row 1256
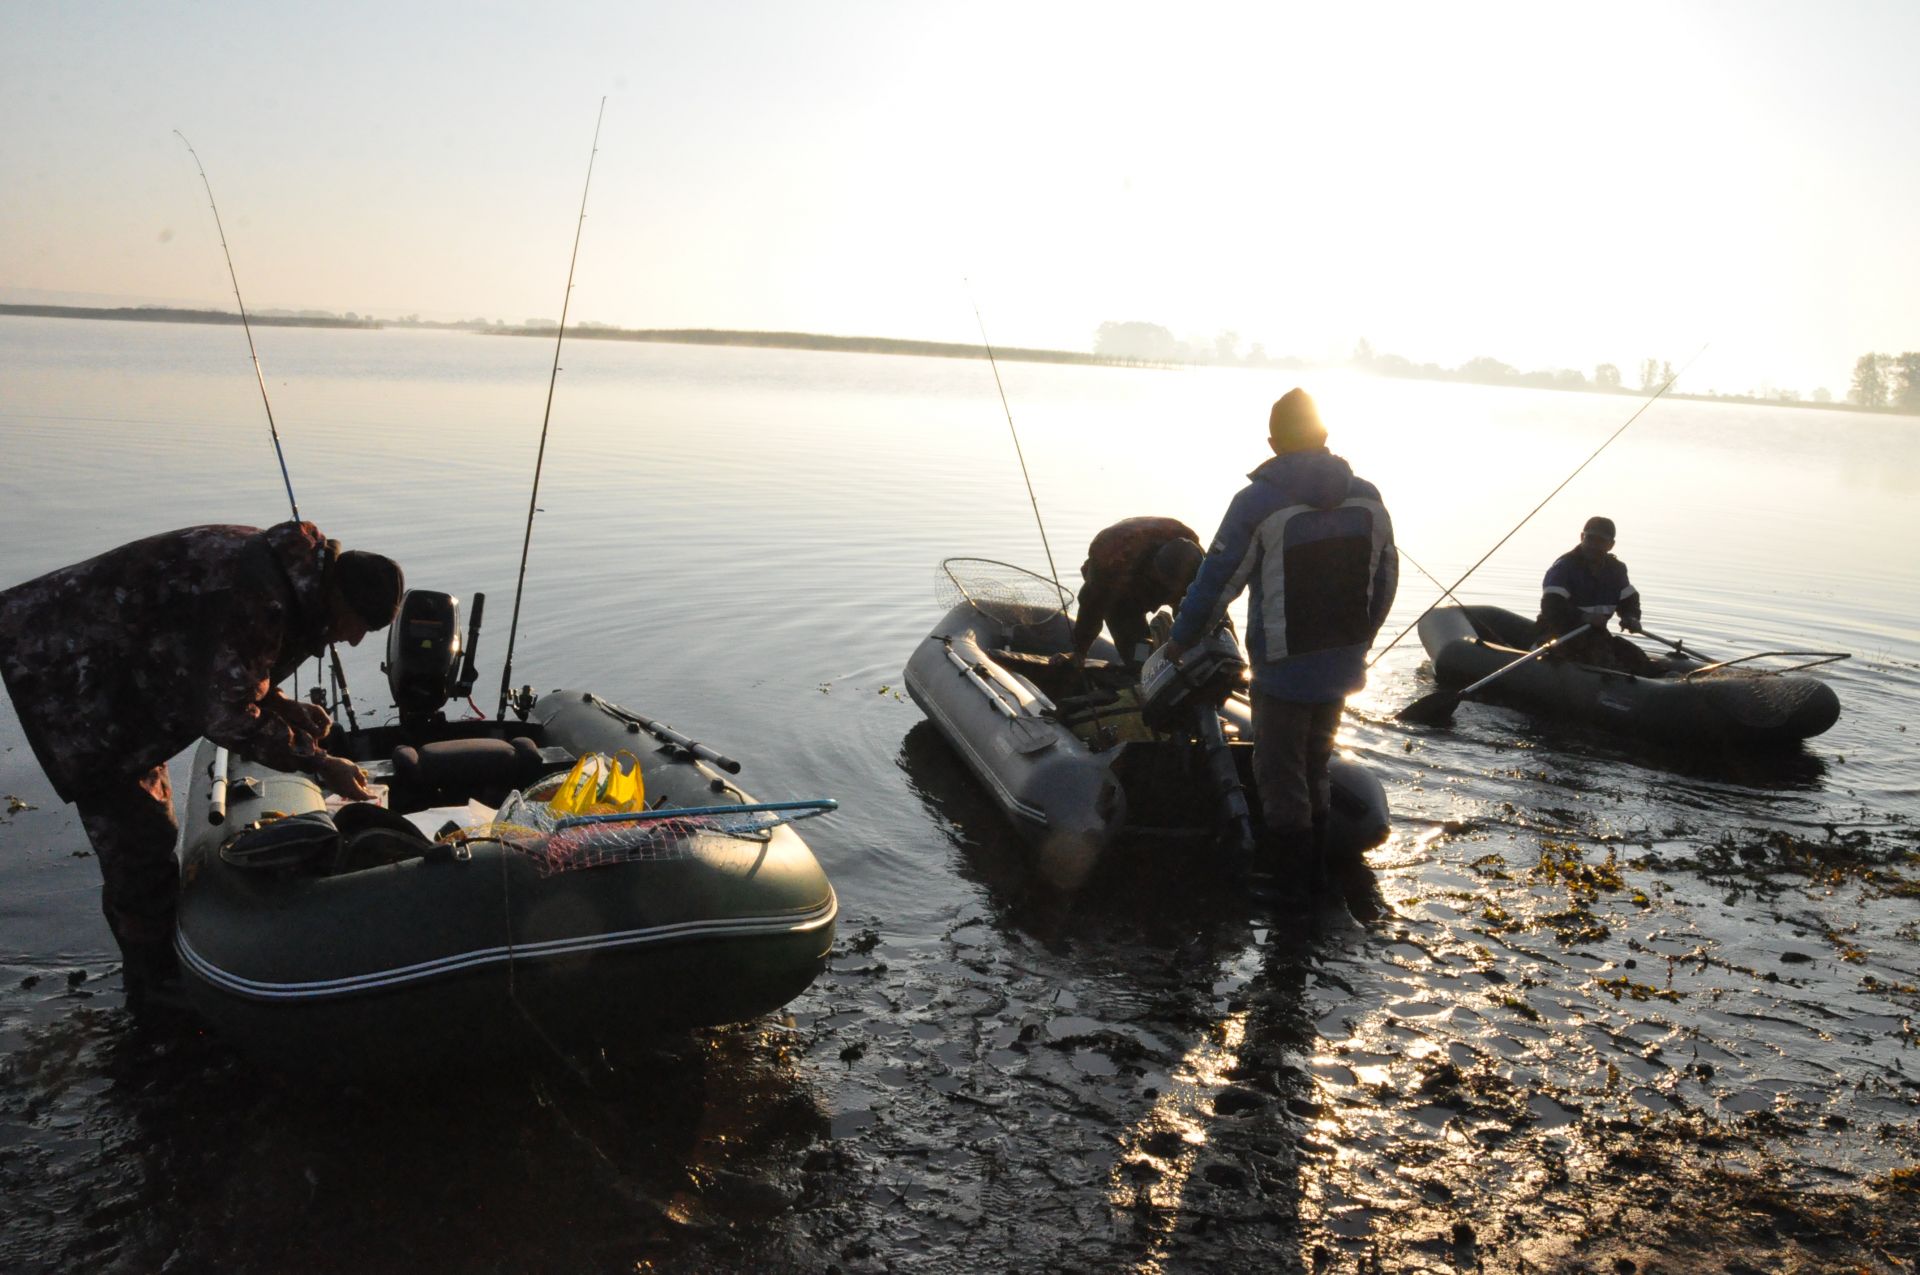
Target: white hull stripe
column 317, row 989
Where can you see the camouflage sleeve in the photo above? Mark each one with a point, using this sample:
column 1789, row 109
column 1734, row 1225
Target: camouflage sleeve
column 1096, row 595
column 241, row 678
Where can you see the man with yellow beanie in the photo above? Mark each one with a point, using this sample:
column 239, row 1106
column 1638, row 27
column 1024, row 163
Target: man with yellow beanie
column 1315, row 545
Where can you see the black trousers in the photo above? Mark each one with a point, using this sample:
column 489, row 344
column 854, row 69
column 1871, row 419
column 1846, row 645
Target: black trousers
column 131, row 824
column 1292, row 744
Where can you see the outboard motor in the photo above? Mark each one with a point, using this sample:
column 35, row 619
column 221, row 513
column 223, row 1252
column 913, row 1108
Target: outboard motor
column 423, row 664
column 1185, row 698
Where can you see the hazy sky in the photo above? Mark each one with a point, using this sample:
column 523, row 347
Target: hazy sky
column 1552, row 185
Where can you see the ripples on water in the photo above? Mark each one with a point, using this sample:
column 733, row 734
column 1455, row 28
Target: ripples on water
column 1612, row 980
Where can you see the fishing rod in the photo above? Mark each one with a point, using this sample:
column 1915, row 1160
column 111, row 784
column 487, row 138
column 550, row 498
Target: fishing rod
column 1032, row 499
column 245, row 326
column 506, row 670
column 1447, row 592
column 339, row 674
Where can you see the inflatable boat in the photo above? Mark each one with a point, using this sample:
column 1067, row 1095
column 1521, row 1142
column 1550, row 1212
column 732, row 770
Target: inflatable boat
column 1687, row 701
column 1079, row 763
column 422, row 931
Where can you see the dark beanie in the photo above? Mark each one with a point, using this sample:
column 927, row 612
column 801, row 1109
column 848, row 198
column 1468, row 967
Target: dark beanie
column 1294, row 424
column 371, row 584
column 1598, row 526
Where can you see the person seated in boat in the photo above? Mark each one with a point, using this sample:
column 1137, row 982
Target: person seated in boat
column 1133, row 568
column 1315, row 544
column 117, row 663
column 1588, row 585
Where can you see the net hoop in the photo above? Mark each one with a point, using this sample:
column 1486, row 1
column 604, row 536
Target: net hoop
column 999, row 590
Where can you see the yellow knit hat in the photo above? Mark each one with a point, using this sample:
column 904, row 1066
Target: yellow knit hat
column 1294, row 424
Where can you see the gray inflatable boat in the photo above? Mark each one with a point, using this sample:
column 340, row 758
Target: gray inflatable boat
column 1688, row 702
column 361, row 941
column 1074, row 762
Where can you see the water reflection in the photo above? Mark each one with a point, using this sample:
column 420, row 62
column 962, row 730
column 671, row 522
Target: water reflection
column 1148, row 1073
column 1198, row 1001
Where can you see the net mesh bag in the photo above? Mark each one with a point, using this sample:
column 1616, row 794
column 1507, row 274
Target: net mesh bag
column 1758, row 698
column 565, row 842
column 999, row 590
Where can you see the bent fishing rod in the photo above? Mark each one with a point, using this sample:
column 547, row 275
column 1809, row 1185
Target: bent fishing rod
column 533, row 501
column 1447, row 591
column 1031, row 498
column 339, row 674
column 245, row 325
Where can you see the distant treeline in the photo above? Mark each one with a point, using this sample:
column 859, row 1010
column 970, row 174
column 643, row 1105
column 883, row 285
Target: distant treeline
column 1887, row 381
column 1881, row 382
column 168, row 314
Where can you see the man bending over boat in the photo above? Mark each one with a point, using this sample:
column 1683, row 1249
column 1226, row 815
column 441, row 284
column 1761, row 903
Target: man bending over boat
column 1133, row 568
column 1588, row 585
column 117, row 663
column 1315, row 545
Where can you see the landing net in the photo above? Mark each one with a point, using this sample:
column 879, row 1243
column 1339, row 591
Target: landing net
column 999, row 590
column 528, row 825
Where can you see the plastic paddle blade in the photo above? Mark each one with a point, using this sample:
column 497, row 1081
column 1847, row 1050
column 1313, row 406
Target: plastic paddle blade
column 1430, row 710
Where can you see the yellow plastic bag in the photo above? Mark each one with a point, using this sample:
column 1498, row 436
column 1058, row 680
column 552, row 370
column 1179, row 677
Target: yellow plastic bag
column 625, row 790
column 599, row 785
column 579, row 792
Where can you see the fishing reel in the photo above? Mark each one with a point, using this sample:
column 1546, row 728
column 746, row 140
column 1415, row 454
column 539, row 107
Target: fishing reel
column 1213, row 670
column 424, row 664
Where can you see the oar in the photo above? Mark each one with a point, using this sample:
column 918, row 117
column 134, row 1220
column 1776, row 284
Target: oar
column 1678, row 648
column 1437, row 709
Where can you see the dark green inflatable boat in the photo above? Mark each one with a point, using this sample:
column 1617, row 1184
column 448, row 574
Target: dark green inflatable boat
column 359, row 941
column 1688, row 703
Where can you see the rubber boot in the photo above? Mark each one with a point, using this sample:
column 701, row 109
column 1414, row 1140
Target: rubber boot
column 1283, row 868
column 1350, row 879
column 149, row 967
column 1320, row 864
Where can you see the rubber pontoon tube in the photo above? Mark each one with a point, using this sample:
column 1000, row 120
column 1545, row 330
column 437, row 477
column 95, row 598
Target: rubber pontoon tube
column 668, row 735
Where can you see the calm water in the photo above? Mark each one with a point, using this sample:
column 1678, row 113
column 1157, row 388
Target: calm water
column 742, row 543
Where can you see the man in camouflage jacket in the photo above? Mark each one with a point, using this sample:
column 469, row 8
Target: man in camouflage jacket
column 118, row 663
column 1133, row 568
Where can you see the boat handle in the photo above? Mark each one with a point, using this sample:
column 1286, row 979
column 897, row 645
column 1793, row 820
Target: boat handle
column 217, row 794
column 991, row 691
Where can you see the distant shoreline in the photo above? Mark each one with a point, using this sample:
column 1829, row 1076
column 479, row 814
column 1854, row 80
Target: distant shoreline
column 840, row 344
column 170, row 314
column 836, row 344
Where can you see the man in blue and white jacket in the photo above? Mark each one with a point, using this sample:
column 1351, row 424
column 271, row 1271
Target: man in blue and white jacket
column 1315, row 545
column 1587, row 585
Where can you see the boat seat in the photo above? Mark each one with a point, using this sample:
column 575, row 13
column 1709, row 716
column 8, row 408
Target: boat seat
column 462, row 768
